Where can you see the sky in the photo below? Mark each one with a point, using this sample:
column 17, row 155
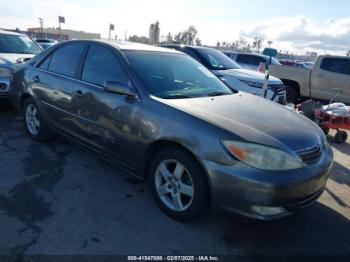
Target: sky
column 295, row 26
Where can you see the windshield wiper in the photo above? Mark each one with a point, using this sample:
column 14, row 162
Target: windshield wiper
column 218, row 94
column 176, row 96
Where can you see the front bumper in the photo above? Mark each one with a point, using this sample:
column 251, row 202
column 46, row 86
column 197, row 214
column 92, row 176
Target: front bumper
column 240, row 188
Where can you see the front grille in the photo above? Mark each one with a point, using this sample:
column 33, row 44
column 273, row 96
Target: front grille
column 311, row 155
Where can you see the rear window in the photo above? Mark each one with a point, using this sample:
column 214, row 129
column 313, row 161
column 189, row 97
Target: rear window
column 336, row 65
column 18, row 44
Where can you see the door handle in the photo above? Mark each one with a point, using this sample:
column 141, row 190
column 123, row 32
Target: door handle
column 36, row 79
column 78, row 93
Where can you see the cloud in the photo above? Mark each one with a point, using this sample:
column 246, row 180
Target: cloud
column 302, row 33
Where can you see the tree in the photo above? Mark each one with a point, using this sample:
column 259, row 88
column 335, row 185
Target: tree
column 138, row 39
column 257, row 44
column 178, row 38
column 187, row 37
column 269, row 43
column 198, row 42
column 348, row 53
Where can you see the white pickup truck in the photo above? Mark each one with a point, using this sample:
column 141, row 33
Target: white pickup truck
column 328, row 73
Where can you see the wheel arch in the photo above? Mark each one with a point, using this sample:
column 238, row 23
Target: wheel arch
column 292, row 83
column 161, row 144
column 24, row 97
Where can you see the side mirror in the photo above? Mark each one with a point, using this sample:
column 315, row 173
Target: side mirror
column 118, row 87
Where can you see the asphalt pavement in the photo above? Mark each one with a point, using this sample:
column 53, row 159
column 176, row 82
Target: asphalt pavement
column 60, row 199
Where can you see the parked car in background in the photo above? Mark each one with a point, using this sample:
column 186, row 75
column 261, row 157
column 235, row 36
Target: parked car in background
column 295, row 63
column 328, row 73
column 46, row 43
column 309, row 65
column 232, row 74
column 252, row 61
column 14, row 48
column 163, row 116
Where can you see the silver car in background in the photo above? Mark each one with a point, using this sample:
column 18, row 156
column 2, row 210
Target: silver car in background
column 232, row 74
column 15, row 48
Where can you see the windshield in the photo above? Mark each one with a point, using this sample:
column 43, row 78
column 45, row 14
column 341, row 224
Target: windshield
column 169, row 75
column 217, row 60
column 18, row 44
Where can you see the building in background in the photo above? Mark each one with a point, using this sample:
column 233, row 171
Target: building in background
column 154, row 33
column 67, row 33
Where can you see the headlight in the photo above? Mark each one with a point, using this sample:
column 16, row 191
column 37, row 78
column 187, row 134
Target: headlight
column 252, row 84
column 262, row 157
column 5, row 73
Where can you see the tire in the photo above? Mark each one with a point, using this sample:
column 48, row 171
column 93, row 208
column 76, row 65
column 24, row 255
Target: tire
column 325, row 130
column 33, row 122
column 292, row 94
column 340, row 137
column 181, row 195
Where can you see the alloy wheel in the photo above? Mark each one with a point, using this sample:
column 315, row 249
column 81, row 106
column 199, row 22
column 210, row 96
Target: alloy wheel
column 32, row 119
column 174, row 185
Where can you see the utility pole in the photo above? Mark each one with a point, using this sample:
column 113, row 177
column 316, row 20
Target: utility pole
column 41, row 22
column 111, row 28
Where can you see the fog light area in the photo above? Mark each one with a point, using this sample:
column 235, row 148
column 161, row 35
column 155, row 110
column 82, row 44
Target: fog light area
column 268, row 211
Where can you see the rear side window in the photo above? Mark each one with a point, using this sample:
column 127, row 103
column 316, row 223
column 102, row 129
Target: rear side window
column 102, row 64
column 66, row 59
column 336, row 65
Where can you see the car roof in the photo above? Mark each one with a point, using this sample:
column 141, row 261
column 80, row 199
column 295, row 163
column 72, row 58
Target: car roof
column 6, row 32
column 126, row 45
column 252, row 54
column 185, row 46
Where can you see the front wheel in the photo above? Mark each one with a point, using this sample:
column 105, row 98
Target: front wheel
column 178, row 184
column 292, row 94
column 34, row 124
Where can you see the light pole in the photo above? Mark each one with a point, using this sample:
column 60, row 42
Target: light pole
column 41, row 22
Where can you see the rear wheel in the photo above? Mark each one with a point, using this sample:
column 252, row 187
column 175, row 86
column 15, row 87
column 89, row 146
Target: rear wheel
column 340, row 137
column 178, row 184
column 35, row 126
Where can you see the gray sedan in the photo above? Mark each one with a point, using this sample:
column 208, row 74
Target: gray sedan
column 162, row 116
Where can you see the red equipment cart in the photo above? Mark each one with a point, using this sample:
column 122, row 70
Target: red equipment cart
column 333, row 116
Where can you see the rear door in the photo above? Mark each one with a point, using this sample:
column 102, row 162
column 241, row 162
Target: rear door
column 330, row 73
column 105, row 121
column 52, row 83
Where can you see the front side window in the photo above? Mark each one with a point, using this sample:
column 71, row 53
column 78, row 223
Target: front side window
column 102, row 64
column 66, row 59
column 217, row 60
column 170, row 75
column 336, row 65
column 45, row 64
column 18, row 44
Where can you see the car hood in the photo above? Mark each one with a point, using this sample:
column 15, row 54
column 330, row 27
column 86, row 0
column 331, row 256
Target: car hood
column 9, row 59
column 248, row 75
column 254, row 119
